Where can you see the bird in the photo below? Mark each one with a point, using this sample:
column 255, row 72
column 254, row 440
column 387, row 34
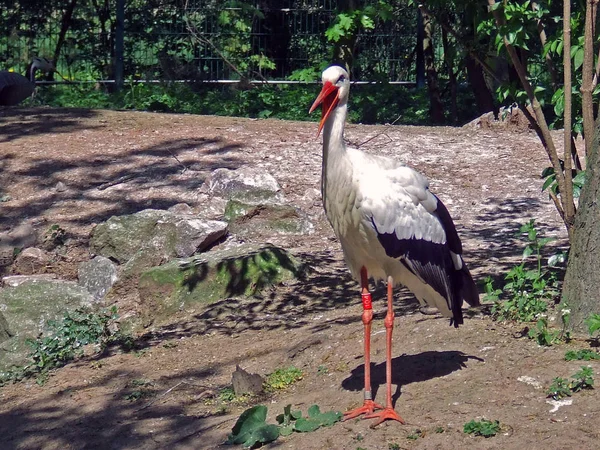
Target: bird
column 391, row 228
column 14, row 87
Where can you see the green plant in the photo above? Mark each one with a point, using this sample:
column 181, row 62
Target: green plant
column 282, row 378
column 542, row 335
column 583, row 379
column 393, row 446
column 528, row 290
column 66, row 339
column 581, row 355
column 561, row 387
column 251, row 427
column 593, row 323
column 485, row 428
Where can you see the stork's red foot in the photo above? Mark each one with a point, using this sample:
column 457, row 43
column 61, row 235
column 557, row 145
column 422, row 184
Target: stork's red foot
column 367, row 408
column 383, row 415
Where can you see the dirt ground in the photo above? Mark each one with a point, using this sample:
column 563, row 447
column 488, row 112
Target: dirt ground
column 111, row 163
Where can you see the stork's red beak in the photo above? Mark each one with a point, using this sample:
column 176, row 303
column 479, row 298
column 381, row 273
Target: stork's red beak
column 329, row 97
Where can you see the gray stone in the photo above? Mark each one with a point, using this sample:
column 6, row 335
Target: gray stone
column 244, row 382
column 244, row 270
column 14, row 240
column 248, row 185
column 97, row 276
column 16, row 280
column 251, row 220
column 28, row 307
column 32, row 260
column 195, row 235
column 122, row 238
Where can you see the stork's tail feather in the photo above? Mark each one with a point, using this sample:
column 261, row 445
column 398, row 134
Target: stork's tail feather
column 464, row 289
column 468, row 291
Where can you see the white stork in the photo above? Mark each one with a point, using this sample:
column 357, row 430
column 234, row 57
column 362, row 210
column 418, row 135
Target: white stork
column 391, row 227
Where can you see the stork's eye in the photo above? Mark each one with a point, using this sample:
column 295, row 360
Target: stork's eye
column 341, row 79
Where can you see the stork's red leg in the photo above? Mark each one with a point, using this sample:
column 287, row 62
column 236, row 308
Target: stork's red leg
column 388, row 412
column 367, row 317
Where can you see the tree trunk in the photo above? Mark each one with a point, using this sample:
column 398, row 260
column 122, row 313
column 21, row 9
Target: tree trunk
column 483, row 97
column 436, row 107
column 64, row 27
column 581, row 290
column 452, row 83
column 419, row 50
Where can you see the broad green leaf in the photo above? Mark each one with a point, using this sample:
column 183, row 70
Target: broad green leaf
column 305, row 425
column 251, row 428
column 527, row 252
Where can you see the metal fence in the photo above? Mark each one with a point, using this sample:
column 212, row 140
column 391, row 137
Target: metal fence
column 193, row 40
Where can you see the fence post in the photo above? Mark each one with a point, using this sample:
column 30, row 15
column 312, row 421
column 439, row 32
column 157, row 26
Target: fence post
column 119, row 38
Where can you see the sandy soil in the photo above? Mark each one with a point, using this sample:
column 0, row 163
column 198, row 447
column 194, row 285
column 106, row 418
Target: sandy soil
column 113, row 163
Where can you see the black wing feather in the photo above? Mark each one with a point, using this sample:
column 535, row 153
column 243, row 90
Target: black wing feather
column 432, row 263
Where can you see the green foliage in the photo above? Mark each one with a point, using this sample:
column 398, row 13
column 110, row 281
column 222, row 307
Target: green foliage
column 593, row 323
column 349, row 23
column 528, row 290
column 485, row 428
column 542, row 335
column 66, row 339
column 316, row 419
column 282, row 378
column 581, row 355
column 561, row 387
column 578, row 180
column 251, row 427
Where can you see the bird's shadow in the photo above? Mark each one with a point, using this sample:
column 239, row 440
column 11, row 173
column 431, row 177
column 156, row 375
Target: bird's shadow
column 408, row 369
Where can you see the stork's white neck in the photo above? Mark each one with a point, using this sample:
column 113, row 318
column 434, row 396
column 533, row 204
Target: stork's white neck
column 333, row 130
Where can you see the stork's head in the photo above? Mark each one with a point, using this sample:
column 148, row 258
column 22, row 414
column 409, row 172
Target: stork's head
column 336, row 87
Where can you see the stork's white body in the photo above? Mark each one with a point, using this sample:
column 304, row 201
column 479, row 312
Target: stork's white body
column 360, row 190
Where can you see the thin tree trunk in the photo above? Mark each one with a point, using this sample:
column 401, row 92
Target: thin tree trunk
column 436, row 108
column 452, row 84
column 64, row 27
column 420, row 63
column 544, row 131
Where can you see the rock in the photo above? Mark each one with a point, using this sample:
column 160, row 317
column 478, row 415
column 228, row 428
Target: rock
column 245, row 382
column 247, row 220
column 16, row 280
column 97, row 276
column 245, row 270
column 172, row 235
column 248, row 185
column 196, row 235
column 28, row 307
column 60, row 187
column 32, row 260
column 14, row 240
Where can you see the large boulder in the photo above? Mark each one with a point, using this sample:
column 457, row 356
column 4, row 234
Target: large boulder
column 245, row 270
column 27, row 308
column 271, row 218
column 248, row 185
column 121, row 238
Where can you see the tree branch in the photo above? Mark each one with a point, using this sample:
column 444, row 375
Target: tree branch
column 544, row 134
